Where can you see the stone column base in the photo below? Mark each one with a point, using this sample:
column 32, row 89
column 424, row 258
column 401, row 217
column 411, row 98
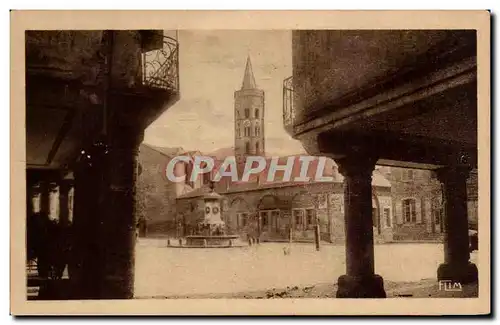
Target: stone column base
column 117, row 289
column 462, row 274
column 361, row 287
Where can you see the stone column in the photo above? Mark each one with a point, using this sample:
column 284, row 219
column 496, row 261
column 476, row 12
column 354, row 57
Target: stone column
column 45, row 198
column 360, row 280
column 85, row 261
column 120, row 221
column 105, row 219
column 64, row 188
column 456, row 266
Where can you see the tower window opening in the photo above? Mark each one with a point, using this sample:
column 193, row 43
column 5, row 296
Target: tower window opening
column 247, row 112
column 257, row 113
column 257, row 147
column 247, row 147
column 257, row 130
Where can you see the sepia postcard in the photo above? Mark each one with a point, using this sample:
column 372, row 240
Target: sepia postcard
column 250, row 163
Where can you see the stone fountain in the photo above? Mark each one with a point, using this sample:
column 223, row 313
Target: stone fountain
column 210, row 231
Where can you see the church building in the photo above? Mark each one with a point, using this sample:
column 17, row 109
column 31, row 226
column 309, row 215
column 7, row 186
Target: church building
column 406, row 204
column 277, row 210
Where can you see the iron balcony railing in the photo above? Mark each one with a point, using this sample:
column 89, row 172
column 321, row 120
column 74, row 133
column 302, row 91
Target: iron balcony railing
column 288, row 105
column 160, row 68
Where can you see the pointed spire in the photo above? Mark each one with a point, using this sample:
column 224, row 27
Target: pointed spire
column 248, row 78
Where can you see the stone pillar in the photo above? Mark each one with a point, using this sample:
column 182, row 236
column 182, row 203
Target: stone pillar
column 64, row 188
column 360, row 280
column 105, row 219
column 120, row 221
column 84, row 266
column 45, row 198
column 53, row 189
column 456, row 266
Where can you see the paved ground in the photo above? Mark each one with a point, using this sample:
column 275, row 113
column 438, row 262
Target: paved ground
column 182, row 272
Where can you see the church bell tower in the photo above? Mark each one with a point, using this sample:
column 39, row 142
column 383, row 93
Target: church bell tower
column 249, row 117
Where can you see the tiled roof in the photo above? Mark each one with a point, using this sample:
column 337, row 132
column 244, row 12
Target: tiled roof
column 196, row 192
column 169, row 152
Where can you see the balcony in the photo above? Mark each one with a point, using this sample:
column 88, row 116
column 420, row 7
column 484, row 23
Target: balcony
column 92, row 58
column 288, row 106
column 75, row 80
column 160, row 68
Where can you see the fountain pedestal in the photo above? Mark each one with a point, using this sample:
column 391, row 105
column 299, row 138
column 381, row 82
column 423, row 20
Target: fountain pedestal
column 211, row 231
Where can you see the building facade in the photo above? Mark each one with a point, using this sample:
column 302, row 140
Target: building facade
column 418, row 203
column 284, row 211
column 279, row 210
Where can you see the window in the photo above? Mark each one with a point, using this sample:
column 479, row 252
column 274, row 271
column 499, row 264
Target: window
column 304, row 219
column 387, row 217
column 264, row 218
column 257, row 131
column 269, row 219
column 247, row 147
column 408, row 175
column 256, row 113
column 241, row 219
column 257, row 147
column 247, row 112
column 437, row 216
column 247, row 131
column 310, row 218
column 298, row 216
column 275, row 215
column 409, row 210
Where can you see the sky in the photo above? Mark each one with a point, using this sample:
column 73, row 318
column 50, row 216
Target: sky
column 212, row 65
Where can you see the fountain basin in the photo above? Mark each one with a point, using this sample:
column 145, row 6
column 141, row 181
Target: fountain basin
column 207, row 241
column 211, row 241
